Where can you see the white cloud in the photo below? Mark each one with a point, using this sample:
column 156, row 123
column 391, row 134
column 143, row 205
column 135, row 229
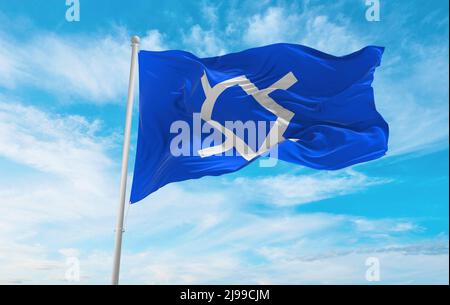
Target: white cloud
column 285, row 24
column 414, row 128
column 277, row 265
column 66, row 162
column 396, row 267
column 62, row 195
column 21, row 262
column 66, row 146
column 383, row 227
column 210, row 13
column 204, row 42
column 11, row 66
column 416, row 105
column 286, row 190
column 92, row 69
column 246, row 248
column 330, row 37
column 274, row 25
column 153, row 41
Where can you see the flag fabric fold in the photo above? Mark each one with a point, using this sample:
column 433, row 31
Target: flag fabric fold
column 314, row 109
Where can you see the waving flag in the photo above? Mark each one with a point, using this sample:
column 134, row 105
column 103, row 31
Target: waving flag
column 210, row 116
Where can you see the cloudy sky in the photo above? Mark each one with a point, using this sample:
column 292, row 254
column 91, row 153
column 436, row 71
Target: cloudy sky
column 62, row 106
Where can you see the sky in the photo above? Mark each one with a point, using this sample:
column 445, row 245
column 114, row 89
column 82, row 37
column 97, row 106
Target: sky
column 63, row 89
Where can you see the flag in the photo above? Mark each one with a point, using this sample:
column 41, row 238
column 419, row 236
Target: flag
column 211, row 116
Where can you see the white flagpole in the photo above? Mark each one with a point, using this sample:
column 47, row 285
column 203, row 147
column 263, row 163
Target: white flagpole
column 126, row 146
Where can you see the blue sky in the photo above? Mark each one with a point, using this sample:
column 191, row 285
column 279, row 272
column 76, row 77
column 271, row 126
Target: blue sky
column 62, row 106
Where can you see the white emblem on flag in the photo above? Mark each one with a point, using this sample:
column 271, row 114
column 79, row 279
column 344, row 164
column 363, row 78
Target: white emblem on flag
column 275, row 135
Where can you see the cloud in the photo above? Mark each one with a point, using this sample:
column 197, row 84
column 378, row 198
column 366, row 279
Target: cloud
column 10, row 65
column 65, row 146
column 416, row 104
column 382, row 228
column 310, row 27
column 210, row 13
column 395, row 268
column 22, row 262
column 330, row 37
column 276, row 266
column 274, row 25
column 203, row 42
column 219, row 238
column 284, row 190
column 62, row 178
column 415, row 128
column 153, row 41
column 91, row 69
column 261, row 248
column 65, row 168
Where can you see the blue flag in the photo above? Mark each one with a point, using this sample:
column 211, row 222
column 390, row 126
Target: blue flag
column 210, row 116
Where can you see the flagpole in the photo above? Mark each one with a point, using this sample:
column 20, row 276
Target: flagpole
column 126, row 147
